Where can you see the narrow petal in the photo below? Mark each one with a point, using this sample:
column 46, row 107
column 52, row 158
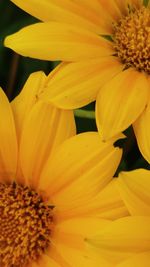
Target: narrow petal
column 134, row 188
column 73, row 232
column 113, row 9
column 107, row 204
column 71, row 257
column 34, row 264
column 45, row 261
column 77, row 258
column 123, row 238
column 140, row 260
column 71, row 12
column 121, row 101
column 24, row 102
column 142, row 131
column 8, row 146
column 123, row 6
column 77, row 84
column 58, row 41
column 45, row 128
column 83, row 170
column 54, row 254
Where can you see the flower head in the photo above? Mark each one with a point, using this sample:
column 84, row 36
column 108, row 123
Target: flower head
column 108, row 45
column 55, row 186
column 126, row 241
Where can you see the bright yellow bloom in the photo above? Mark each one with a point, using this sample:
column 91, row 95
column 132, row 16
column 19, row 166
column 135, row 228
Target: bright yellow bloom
column 115, row 73
column 127, row 241
column 53, row 192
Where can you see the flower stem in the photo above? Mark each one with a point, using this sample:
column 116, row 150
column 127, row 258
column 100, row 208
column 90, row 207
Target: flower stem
column 88, row 114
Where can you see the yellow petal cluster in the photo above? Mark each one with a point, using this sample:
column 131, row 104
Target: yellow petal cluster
column 126, row 241
column 96, row 221
column 110, row 72
column 43, row 160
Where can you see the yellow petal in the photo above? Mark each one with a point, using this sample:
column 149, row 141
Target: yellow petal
column 123, row 6
column 113, row 9
column 83, row 170
column 77, row 84
column 123, row 238
column 73, row 232
column 33, row 264
column 45, row 261
column 69, row 12
column 45, row 128
column 134, row 188
column 76, row 258
column 8, row 146
column 107, row 204
column 53, row 253
column 24, row 102
column 58, row 41
column 142, row 131
column 121, row 101
column 140, row 260
column 80, row 227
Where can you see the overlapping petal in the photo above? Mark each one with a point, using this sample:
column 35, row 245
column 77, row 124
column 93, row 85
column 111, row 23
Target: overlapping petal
column 80, row 167
column 123, row 238
column 113, row 9
column 76, row 84
column 142, row 131
column 46, row 261
column 27, row 98
column 71, row 12
column 107, row 204
column 121, row 101
column 55, row 41
column 76, row 258
column 72, row 232
column 134, row 188
column 9, row 146
column 45, row 128
column 140, row 260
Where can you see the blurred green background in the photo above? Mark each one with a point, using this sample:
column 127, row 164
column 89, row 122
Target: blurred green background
column 15, row 69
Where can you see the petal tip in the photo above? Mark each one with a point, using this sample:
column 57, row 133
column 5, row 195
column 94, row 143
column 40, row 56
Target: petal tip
column 8, row 42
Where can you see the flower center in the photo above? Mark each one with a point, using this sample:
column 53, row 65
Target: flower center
column 25, row 225
column 132, row 39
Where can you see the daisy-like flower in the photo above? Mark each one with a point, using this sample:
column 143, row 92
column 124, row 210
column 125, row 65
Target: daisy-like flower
column 108, row 45
column 127, row 241
column 55, row 188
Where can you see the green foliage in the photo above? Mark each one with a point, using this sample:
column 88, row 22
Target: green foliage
column 145, row 2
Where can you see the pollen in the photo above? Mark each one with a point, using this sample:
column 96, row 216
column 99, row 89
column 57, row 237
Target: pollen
column 26, row 224
column 132, row 39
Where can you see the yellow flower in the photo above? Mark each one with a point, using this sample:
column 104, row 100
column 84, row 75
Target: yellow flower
column 55, row 188
column 115, row 73
column 127, row 241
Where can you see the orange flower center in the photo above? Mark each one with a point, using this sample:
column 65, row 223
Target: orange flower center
column 25, row 225
column 132, row 39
